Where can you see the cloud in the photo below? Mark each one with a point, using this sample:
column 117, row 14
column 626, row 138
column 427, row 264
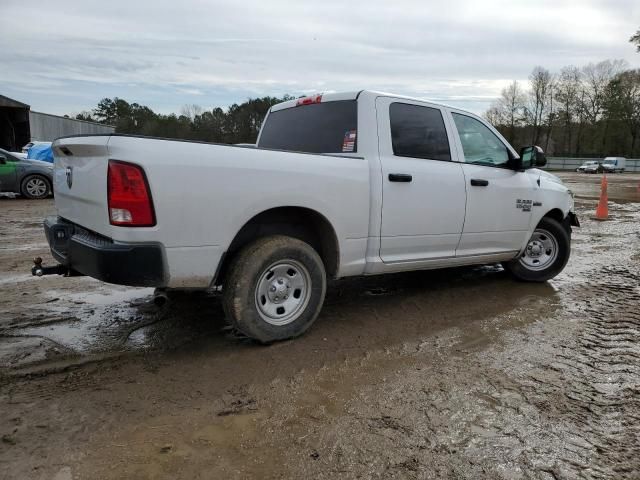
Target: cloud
column 163, row 53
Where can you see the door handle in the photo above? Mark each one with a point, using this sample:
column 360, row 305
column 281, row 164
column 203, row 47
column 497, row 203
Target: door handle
column 479, row 182
column 400, row 177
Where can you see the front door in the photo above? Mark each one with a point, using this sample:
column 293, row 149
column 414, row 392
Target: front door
column 7, row 173
column 423, row 191
column 499, row 199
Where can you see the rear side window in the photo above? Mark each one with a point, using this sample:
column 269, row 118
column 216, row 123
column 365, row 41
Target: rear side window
column 330, row 127
column 418, row 132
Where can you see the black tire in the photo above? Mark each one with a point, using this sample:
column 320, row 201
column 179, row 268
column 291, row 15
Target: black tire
column 35, row 187
column 250, row 272
column 548, row 230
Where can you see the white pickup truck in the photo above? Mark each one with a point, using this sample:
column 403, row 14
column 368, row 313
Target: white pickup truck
column 338, row 185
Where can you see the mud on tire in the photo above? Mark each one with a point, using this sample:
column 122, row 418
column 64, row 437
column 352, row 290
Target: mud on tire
column 274, row 289
column 546, row 254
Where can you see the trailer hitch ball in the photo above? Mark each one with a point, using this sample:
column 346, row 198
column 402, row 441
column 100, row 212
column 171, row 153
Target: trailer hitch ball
column 39, row 270
column 37, row 267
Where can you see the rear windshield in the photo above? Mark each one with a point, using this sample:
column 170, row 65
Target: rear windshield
column 330, row 127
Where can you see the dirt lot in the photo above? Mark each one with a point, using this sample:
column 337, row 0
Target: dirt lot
column 461, row 373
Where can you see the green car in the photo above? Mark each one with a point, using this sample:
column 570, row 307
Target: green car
column 30, row 178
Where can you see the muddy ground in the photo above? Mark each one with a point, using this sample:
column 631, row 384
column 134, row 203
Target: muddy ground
column 461, row 373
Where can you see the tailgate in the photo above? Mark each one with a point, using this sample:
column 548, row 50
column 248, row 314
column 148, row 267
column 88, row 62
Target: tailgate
column 80, row 181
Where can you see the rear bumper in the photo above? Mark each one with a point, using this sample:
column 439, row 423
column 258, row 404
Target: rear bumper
column 85, row 252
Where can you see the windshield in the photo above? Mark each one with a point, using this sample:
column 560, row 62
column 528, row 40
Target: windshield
column 9, row 156
column 609, row 161
column 329, row 127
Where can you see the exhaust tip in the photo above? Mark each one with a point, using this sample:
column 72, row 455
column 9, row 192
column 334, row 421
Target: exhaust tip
column 160, row 298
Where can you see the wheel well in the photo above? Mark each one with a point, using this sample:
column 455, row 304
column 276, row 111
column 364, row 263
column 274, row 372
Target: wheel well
column 35, row 174
column 556, row 214
column 298, row 222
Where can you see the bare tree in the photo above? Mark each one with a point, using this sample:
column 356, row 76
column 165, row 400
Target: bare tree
column 567, row 94
column 508, row 109
column 551, row 114
column 636, row 39
column 540, row 87
column 493, row 115
column 596, row 78
column 191, row 111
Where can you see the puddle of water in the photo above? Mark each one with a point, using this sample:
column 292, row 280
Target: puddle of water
column 100, row 322
column 100, row 298
column 5, row 279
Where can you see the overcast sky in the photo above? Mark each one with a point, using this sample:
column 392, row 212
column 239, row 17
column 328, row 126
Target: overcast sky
column 63, row 56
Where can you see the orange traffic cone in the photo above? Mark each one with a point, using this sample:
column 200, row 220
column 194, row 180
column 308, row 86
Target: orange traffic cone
column 602, row 212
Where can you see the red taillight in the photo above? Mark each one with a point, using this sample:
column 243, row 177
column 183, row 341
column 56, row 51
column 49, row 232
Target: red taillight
column 129, row 198
column 309, row 100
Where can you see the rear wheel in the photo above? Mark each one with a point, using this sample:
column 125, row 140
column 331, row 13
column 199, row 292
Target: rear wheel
column 36, row 187
column 275, row 289
column 545, row 255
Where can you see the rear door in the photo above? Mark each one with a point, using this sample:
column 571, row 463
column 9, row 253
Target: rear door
column 499, row 199
column 423, row 189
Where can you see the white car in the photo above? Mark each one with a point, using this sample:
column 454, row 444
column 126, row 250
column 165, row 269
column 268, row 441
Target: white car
column 614, row 164
column 590, row 166
column 339, row 185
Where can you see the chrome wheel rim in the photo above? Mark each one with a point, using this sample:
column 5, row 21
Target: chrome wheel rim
column 36, row 187
column 283, row 292
column 541, row 251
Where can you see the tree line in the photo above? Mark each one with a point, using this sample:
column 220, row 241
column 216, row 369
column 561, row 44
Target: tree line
column 240, row 123
column 592, row 111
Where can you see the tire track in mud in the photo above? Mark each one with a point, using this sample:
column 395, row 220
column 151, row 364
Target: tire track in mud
column 601, row 379
column 560, row 401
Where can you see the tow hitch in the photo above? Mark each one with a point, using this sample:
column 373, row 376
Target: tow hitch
column 38, row 270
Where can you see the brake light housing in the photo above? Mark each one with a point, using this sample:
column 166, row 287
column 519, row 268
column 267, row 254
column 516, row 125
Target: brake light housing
column 129, row 196
column 309, row 100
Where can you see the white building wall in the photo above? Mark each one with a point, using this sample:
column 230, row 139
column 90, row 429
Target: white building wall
column 46, row 127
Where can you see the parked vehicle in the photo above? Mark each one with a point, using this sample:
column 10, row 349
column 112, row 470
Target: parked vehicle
column 339, row 185
column 590, row 166
column 30, row 178
column 614, row 164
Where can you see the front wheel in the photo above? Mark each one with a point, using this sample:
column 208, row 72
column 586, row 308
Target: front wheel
column 275, row 289
column 546, row 254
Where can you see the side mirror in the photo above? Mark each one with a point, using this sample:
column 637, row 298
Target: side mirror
column 532, row 156
column 3, row 160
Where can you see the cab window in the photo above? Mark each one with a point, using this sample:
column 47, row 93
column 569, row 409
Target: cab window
column 479, row 144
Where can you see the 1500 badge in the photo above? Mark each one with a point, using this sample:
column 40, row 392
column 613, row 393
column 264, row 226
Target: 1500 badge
column 525, row 205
